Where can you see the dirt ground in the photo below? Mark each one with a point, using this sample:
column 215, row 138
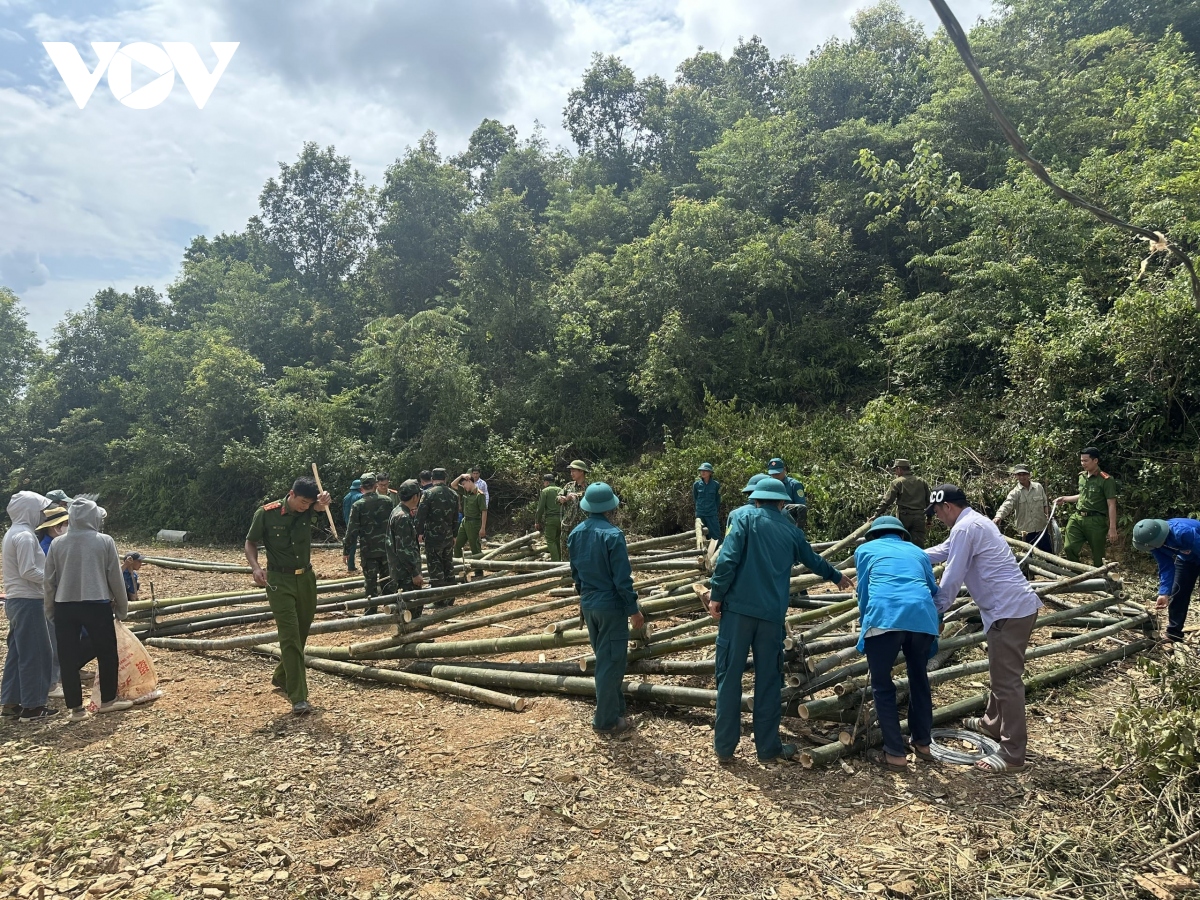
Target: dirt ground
column 216, row 790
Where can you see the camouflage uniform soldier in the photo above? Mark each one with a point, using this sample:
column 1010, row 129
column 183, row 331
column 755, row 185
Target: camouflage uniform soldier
column 910, row 493
column 368, row 529
column 403, row 548
column 569, row 499
column 437, row 524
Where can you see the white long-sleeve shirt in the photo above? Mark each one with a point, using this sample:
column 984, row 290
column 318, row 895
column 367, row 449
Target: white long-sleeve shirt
column 977, row 555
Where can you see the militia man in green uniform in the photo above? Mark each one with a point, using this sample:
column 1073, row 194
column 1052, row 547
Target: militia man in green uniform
column 910, row 493
column 367, row 529
column 547, row 517
column 284, row 528
column 568, row 500
column 403, row 548
column 1097, row 502
column 437, row 523
column 473, row 504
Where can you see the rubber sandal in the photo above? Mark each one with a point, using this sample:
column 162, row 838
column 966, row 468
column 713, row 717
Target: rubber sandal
column 974, row 723
column 879, row 758
column 991, row 766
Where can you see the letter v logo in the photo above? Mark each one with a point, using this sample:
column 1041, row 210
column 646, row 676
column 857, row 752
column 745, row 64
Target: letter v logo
column 196, row 77
column 75, row 75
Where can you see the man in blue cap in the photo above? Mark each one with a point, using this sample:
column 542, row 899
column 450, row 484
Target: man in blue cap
column 706, row 497
column 1175, row 545
column 607, row 600
column 354, row 494
column 749, row 598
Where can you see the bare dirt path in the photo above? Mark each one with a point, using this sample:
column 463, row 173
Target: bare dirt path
column 217, row 791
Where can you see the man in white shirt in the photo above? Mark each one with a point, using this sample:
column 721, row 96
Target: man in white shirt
column 976, row 555
column 1029, row 507
column 481, row 485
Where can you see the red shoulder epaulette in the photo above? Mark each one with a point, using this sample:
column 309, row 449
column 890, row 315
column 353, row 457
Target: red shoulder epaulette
column 275, row 505
column 1104, row 474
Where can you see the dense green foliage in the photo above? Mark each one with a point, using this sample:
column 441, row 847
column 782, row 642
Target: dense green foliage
column 835, row 260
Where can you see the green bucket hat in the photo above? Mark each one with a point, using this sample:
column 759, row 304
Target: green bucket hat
column 599, row 498
column 1150, row 534
column 770, row 489
column 886, row 525
column 580, row 465
column 754, row 479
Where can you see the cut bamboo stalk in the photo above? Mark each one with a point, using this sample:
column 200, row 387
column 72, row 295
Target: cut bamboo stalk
column 328, row 511
column 253, row 640
column 1054, row 561
column 408, row 679
column 511, row 545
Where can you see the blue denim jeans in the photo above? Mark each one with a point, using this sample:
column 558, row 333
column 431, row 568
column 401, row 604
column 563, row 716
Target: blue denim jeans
column 737, row 635
column 26, row 680
column 882, row 651
column 1186, row 570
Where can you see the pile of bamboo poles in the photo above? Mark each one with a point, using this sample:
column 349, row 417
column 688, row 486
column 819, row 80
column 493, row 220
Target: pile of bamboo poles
column 1085, row 622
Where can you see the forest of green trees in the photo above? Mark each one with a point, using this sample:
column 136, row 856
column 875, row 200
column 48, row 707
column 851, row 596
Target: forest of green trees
column 836, row 260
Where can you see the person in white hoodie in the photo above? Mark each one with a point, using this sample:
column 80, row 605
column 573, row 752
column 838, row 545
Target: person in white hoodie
column 84, row 589
column 26, row 681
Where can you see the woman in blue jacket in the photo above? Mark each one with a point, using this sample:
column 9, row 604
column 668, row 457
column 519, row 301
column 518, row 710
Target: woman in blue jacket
column 896, row 591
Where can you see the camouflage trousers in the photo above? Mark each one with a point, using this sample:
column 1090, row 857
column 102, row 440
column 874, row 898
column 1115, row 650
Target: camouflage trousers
column 439, row 555
column 377, row 578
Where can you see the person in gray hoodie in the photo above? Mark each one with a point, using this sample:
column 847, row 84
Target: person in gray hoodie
column 84, row 589
column 26, row 681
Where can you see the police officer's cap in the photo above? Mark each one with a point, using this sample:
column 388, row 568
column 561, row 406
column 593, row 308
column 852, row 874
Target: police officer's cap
column 599, row 498
column 754, row 479
column 367, row 479
column 886, row 525
column 580, row 465
column 771, row 489
column 705, row 467
column 1150, row 534
column 776, row 467
column 409, row 489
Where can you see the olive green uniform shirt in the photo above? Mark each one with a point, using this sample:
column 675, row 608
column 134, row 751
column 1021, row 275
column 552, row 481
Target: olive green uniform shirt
column 285, row 535
column 1095, row 491
column 473, row 505
column 910, row 494
column 547, row 506
column 368, row 525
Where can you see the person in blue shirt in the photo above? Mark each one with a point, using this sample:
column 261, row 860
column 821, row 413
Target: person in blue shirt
column 1175, row 544
column 706, row 497
column 896, row 591
column 353, row 495
column 607, row 600
column 131, row 564
column 748, row 597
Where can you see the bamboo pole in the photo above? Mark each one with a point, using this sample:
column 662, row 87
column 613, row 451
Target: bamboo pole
column 253, row 640
column 511, row 545
column 408, row 679
column 653, row 543
column 586, row 687
column 328, row 511
column 1054, row 561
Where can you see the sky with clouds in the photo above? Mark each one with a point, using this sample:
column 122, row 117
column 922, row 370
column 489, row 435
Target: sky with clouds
column 110, row 195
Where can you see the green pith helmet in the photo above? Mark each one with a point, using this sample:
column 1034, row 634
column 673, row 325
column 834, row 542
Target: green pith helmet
column 886, row 525
column 599, row 498
column 705, row 467
column 754, row 479
column 771, row 489
column 1150, row 534
column 580, row 465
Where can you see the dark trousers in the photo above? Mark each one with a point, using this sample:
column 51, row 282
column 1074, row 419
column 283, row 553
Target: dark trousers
column 439, row 555
column 1046, row 542
column 375, row 571
column 713, row 525
column 608, row 632
column 916, row 524
column 737, row 635
column 882, row 651
column 97, row 618
column 1186, row 572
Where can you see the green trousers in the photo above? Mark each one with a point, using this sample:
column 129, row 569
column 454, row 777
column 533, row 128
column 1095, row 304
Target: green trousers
column 553, row 534
column 1090, row 530
column 293, row 601
column 468, row 532
column 916, row 524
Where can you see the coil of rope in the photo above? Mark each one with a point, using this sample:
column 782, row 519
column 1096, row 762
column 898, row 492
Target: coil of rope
column 984, row 745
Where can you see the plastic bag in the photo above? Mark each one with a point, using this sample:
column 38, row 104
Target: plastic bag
column 1056, row 537
column 136, row 678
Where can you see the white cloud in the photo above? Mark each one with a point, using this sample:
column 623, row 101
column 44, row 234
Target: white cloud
column 112, row 195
